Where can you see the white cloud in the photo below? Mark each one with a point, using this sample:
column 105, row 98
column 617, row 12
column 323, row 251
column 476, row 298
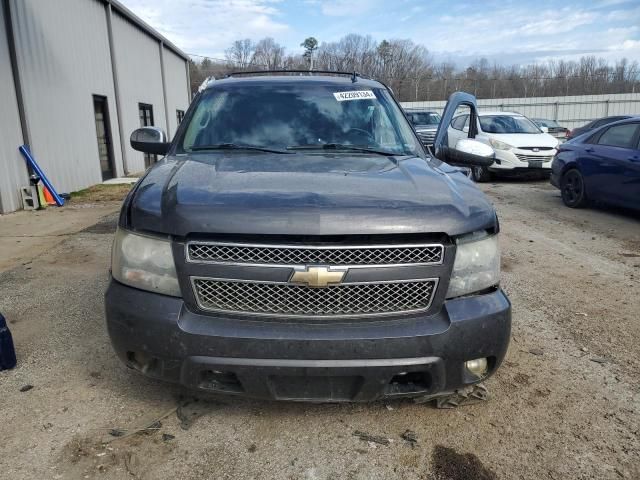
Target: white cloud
column 207, row 27
column 339, row 8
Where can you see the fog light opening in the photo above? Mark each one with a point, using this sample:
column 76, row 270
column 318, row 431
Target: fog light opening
column 477, row 366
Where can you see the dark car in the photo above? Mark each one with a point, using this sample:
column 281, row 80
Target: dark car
column 298, row 243
column 553, row 128
column 597, row 123
column 603, row 165
column 426, row 124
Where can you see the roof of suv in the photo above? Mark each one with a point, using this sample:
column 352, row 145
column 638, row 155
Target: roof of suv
column 338, row 79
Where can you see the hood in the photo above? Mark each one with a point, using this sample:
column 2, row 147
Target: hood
column 306, row 194
column 525, row 139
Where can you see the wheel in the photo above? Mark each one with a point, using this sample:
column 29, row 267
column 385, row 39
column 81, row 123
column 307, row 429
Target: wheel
column 480, row 174
column 572, row 189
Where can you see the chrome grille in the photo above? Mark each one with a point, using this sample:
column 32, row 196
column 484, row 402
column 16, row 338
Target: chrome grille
column 302, row 255
column 427, row 137
column 533, row 158
column 283, row 299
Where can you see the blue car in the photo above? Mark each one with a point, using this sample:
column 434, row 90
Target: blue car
column 601, row 165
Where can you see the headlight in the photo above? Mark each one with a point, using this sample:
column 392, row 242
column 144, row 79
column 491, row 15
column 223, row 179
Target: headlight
column 144, row 262
column 499, row 145
column 477, row 265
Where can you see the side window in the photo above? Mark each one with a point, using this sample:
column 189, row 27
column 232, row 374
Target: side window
column 466, row 122
column 619, row 135
column 459, row 122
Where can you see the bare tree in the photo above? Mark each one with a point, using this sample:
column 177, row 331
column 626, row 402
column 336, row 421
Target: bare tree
column 240, row 52
column 268, row 54
column 407, row 68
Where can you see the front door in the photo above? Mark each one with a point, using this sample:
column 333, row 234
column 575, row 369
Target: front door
column 617, row 161
column 105, row 152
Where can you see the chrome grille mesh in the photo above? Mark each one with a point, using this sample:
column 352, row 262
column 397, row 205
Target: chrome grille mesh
column 296, row 300
column 298, row 255
column 530, row 158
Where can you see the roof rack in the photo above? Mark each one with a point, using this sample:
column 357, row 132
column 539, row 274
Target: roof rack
column 354, row 75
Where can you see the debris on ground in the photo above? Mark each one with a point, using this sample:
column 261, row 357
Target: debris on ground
column 188, row 411
column 367, row 437
column 26, row 388
column 167, row 436
column 154, row 425
column 411, row 437
column 536, row 351
column 599, row 360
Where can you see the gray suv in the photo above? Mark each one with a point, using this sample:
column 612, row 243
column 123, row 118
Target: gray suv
column 426, row 124
column 297, row 242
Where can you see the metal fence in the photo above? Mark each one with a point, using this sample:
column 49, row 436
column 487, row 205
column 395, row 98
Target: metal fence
column 569, row 111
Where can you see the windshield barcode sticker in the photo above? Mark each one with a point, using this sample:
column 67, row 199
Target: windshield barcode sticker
column 355, row 95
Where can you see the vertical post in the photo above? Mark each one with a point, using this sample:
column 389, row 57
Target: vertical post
column 555, row 111
column 164, row 89
column 189, row 94
column 606, row 107
column 13, row 56
column 116, row 88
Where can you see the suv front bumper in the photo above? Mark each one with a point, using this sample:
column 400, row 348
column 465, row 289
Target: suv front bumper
column 361, row 360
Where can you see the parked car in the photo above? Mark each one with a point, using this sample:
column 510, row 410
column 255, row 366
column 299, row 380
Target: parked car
column 602, row 165
column 553, row 128
column 426, row 124
column 597, row 123
column 519, row 144
column 297, row 242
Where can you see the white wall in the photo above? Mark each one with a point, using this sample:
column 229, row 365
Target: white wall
column 569, row 111
column 139, row 81
column 63, row 59
column 177, row 88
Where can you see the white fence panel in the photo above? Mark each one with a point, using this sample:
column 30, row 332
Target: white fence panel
column 570, row 111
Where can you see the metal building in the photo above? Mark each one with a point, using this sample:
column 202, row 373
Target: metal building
column 76, row 78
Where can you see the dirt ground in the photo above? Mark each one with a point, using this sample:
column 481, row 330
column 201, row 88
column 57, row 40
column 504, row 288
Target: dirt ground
column 565, row 404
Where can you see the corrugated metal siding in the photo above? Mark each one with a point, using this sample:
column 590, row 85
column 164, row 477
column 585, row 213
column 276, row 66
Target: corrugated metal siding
column 13, row 172
column 140, row 81
column 63, row 57
column 177, row 88
column 569, row 111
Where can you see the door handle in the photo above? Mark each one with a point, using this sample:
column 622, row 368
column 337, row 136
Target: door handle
column 635, row 158
column 589, row 149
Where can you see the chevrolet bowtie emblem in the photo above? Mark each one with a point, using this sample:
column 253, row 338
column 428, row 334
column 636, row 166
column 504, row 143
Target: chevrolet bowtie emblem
column 317, row 277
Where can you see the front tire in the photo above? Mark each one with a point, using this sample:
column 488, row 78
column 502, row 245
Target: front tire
column 572, row 189
column 480, row 174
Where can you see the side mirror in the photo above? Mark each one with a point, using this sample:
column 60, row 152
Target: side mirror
column 466, row 151
column 544, row 129
column 471, row 152
column 150, row 140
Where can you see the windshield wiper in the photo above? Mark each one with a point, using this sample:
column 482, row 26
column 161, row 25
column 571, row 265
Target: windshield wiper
column 340, row 146
column 234, row 146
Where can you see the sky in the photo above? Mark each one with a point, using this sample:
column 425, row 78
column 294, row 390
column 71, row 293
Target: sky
column 506, row 31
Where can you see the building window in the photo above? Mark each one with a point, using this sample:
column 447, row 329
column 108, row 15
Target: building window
column 179, row 116
column 145, row 111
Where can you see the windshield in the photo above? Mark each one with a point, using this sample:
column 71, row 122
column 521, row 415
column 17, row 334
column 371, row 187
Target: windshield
column 287, row 116
column 546, row 123
column 507, row 124
column 424, row 118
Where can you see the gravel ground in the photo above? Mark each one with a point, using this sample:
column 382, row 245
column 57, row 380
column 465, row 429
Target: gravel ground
column 565, row 404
